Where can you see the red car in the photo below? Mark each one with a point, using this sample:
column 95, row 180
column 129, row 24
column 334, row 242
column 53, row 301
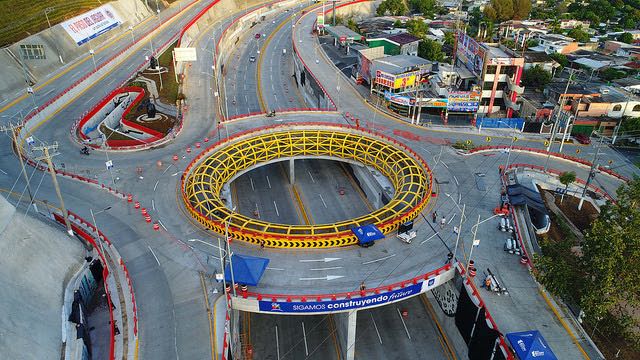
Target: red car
column 583, row 139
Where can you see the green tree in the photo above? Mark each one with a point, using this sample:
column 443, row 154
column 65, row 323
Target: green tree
column 427, row 7
column 449, row 38
column 561, row 59
column 500, row 10
column 626, row 38
column 532, row 43
column 536, row 77
column 611, row 255
column 393, row 7
column 578, row 34
column 521, row 9
column 566, row 178
column 609, row 74
column 630, row 125
column 417, row 27
column 430, row 50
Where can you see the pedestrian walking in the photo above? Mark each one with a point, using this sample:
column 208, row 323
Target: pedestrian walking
column 443, row 222
column 434, row 216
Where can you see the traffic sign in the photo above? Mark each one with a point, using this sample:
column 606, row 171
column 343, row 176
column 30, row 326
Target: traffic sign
column 546, row 143
column 468, row 142
column 488, row 138
column 515, row 138
column 577, row 151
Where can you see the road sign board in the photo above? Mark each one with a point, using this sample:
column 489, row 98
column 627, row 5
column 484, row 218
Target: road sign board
column 185, row 54
column 488, row 138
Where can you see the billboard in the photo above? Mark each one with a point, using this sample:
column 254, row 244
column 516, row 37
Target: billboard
column 464, row 101
column 397, row 81
column 92, row 24
column 320, row 20
column 356, row 302
column 470, row 53
column 398, row 99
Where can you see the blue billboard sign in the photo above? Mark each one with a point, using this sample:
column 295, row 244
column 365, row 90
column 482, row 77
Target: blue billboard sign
column 345, row 304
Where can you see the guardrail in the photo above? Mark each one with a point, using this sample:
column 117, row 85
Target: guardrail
column 553, row 154
column 346, row 294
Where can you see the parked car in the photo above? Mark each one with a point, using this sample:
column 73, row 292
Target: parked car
column 583, row 139
column 252, row 59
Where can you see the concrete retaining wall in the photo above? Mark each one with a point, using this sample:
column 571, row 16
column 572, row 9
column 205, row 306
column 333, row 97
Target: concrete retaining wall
column 358, row 11
column 58, row 45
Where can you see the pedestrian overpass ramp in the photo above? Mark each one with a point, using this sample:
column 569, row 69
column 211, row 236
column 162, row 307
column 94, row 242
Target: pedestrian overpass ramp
column 221, row 163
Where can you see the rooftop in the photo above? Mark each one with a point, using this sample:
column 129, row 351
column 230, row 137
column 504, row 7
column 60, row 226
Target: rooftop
column 537, row 57
column 399, row 64
column 343, row 31
column 400, row 39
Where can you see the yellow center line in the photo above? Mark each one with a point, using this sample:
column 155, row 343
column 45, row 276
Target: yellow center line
column 214, row 354
column 296, row 195
column 448, row 349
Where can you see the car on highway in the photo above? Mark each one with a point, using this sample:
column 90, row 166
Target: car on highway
column 583, row 139
column 257, row 36
column 252, row 59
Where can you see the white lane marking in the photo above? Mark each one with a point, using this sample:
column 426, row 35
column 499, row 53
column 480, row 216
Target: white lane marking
column 156, row 185
column 167, row 169
column 455, row 179
column 429, row 238
column 174, row 174
column 277, row 343
column 311, row 176
column 276, row 206
column 328, row 278
column 376, row 326
column 326, row 260
column 4, row 172
column 153, row 205
column 268, row 182
column 453, row 217
column 164, row 227
column 88, row 101
column 277, row 269
column 376, row 260
column 445, row 164
column 403, row 323
column 154, row 255
column 328, row 268
column 459, row 198
column 323, row 203
column 304, row 335
column 252, row 187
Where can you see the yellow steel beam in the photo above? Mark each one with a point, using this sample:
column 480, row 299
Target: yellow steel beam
column 205, row 177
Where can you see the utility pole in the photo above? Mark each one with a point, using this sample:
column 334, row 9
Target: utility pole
column 12, row 129
column 592, row 172
column 561, row 101
column 47, row 156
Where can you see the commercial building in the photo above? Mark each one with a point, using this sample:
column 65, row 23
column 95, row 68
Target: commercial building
column 555, row 43
column 497, row 71
column 395, row 44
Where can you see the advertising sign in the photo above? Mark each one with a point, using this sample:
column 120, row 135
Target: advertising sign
column 405, row 80
column 435, row 102
column 464, row 101
column 396, row 81
column 320, row 20
column 340, row 305
column 398, row 99
column 384, row 79
column 470, row 53
column 185, row 54
column 92, row 24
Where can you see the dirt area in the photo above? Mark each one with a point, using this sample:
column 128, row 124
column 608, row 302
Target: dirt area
column 169, row 92
column 582, row 219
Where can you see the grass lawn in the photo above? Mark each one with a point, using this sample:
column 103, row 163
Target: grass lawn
column 169, row 92
column 22, row 18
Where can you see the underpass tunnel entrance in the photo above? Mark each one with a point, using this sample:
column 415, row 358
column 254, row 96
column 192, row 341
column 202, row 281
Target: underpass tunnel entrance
column 310, row 191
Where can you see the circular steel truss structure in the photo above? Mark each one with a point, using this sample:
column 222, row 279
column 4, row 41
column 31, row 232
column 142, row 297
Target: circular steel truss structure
column 221, row 163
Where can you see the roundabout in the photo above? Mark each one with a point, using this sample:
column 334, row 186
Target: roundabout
column 205, row 177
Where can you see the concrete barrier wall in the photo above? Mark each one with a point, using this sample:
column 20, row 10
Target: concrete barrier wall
column 312, row 92
column 59, row 45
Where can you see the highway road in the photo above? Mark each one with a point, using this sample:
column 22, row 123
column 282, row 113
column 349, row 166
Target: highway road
column 165, row 265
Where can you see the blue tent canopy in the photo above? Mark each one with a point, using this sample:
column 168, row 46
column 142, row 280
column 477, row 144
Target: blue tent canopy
column 247, row 270
column 367, row 233
column 530, row 345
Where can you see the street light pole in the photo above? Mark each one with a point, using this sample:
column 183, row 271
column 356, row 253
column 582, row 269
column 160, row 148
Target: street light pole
column 592, row 173
column 46, row 14
column 455, row 250
column 93, row 58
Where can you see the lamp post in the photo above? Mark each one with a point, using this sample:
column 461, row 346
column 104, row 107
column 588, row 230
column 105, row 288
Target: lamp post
column 475, row 242
column 93, row 58
column 133, row 38
column 46, row 15
column 228, row 250
column 95, row 225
